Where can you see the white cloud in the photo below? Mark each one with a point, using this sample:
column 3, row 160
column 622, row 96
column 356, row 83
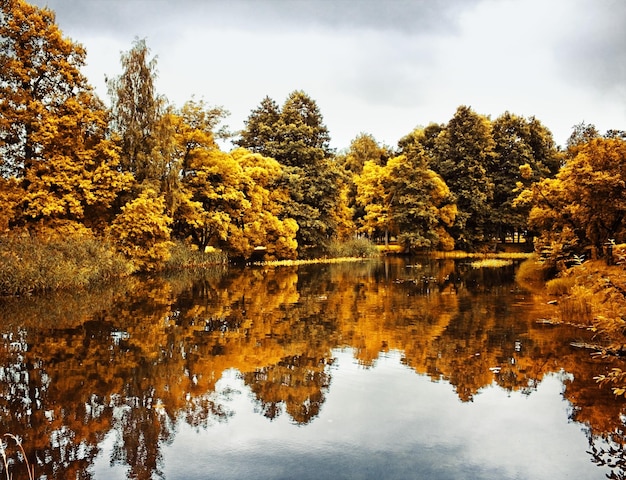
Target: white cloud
column 382, row 67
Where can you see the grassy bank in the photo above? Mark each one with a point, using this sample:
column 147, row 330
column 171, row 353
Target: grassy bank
column 591, row 294
column 457, row 254
column 29, row 265
column 352, row 250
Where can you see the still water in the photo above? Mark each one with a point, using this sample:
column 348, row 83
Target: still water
column 395, row 369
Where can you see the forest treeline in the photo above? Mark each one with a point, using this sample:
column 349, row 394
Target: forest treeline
column 131, row 183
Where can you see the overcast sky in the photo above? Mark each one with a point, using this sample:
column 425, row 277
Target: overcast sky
column 376, row 66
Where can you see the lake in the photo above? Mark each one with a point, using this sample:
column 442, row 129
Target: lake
column 395, row 368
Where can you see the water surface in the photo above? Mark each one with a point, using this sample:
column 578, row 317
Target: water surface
column 395, row 369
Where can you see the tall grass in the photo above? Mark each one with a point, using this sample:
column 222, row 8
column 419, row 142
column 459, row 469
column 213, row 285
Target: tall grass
column 491, row 263
column 184, row 257
column 560, row 286
column 29, row 265
column 578, row 306
column 355, row 247
column 7, row 460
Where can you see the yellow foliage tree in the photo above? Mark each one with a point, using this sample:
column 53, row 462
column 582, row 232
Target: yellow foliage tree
column 585, row 205
column 263, row 223
column 52, row 126
column 213, row 182
column 407, row 199
column 78, row 181
column 372, row 195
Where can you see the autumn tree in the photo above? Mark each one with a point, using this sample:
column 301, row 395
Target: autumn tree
column 226, row 200
column 263, row 223
column 193, row 194
column 260, row 134
column 180, row 134
column 407, row 199
column 373, row 196
column 582, row 133
column 422, row 139
column 422, row 206
column 585, row 204
column 295, row 134
column 39, row 70
column 213, row 183
column 363, row 148
column 52, row 126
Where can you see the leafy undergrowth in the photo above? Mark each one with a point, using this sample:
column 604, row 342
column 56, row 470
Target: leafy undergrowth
column 594, row 294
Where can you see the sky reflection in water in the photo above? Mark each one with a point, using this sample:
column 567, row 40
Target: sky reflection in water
column 389, row 422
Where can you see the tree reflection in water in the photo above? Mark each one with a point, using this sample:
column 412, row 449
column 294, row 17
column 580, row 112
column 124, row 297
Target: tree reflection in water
column 140, row 358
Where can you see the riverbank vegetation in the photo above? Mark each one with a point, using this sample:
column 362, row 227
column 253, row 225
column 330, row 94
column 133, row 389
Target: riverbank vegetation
column 590, row 295
column 144, row 186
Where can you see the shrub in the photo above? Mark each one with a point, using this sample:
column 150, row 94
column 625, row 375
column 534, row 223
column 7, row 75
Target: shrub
column 560, row 285
column 142, row 231
column 532, row 273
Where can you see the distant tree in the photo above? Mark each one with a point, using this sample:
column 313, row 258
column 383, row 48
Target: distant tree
column 317, row 204
column 264, row 223
column 303, row 139
column 136, row 110
column 422, row 139
column 613, row 133
column 374, row 197
column 581, row 134
column 464, row 151
column 363, row 148
column 524, row 152
column 406, row 199
column 261, row 132
column 298, row 139
column 213, row 184
column 422, row 206
column 585, row 204
column 181, row 135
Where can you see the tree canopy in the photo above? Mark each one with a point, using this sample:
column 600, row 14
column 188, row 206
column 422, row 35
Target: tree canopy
column 53, row 140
